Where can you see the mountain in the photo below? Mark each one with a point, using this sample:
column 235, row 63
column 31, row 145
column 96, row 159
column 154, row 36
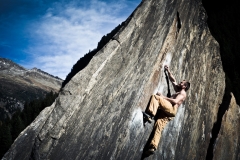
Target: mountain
column 18, row 85
column 98, row 113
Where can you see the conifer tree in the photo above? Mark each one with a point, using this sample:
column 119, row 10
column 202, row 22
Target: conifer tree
column 5, row 139
column 17, row 126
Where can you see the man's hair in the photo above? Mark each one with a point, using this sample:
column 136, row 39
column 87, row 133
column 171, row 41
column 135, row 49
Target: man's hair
column 187, row 84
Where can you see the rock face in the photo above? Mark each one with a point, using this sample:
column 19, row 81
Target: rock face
column 227, row 144
column 98, row 114
column 19, row 85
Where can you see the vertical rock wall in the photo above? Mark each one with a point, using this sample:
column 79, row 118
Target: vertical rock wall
column 227, row 144
column 98, row 113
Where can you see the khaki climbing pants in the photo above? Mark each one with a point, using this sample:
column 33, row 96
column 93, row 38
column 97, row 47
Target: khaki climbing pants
column 167, row 114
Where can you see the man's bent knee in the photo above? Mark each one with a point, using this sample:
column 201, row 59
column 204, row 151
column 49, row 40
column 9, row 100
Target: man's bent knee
column 157, row 97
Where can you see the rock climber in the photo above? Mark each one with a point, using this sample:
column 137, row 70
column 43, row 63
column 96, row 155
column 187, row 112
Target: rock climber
column 168, row 106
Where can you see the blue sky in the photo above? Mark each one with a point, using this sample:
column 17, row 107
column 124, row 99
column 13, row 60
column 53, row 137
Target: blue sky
column 53, row 34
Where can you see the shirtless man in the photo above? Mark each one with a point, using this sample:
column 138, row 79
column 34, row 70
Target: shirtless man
column 168, row 108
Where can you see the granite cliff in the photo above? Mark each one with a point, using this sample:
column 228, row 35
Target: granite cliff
column 227, row 144
column 98, row 114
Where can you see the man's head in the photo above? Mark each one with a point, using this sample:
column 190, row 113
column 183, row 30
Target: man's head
column 184, row 85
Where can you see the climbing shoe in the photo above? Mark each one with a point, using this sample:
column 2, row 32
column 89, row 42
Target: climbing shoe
column 147, row 117
column 151, row 150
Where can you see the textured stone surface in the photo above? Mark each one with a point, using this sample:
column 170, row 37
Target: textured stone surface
column 227, row 145
column 98, row 113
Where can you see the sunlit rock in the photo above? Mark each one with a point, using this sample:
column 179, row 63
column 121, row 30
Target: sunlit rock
column 98, row 113
column 227, row 144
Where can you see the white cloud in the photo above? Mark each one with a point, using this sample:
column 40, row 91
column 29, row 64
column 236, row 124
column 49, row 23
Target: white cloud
column 67, row 32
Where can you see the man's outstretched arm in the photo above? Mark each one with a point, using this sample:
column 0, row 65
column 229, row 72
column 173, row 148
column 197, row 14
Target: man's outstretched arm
column 171, row 77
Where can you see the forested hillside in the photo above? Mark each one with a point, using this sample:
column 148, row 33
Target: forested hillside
column 10, row 128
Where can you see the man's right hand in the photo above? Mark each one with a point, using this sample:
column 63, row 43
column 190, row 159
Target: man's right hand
column 166, row 68
column 171, row 77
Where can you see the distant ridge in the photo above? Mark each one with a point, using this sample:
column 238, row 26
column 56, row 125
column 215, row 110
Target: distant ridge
column 19, row 85
column 45, row 73
column 6, row 64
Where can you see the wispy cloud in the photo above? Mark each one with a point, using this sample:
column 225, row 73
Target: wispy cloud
column 68, row 31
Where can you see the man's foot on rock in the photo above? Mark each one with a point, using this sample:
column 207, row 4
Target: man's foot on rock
column 151, row 150
column 147, row 117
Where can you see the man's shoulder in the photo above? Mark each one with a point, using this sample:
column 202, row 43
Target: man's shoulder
column 183, row 92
